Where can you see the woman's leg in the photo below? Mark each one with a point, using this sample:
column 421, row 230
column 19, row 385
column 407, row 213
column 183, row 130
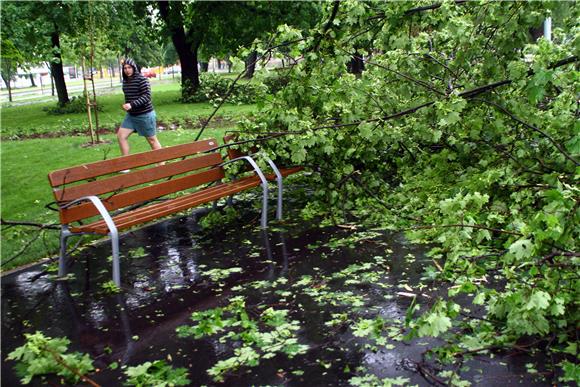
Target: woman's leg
column 154, row 142
column 122, row 136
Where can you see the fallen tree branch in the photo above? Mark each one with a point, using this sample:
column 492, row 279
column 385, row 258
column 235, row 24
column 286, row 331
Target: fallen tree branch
column 10, row 223
column 327, row 26
column 18, row 254
column 232, row 86
column 466, row 94
column 529, row 126
column 418, row 9
column 477, row 226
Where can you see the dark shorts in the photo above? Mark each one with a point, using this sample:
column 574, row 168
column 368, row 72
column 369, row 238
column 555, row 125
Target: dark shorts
column 144, row 124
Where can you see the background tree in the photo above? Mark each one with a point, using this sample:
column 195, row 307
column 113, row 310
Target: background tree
column 11, row 59
column 221, row 27
column 45, row 30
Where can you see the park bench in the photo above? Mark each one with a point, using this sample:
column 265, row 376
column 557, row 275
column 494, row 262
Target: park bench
column 97, row 198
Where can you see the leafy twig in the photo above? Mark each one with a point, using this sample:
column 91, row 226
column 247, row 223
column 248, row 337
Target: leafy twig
column 60, row 360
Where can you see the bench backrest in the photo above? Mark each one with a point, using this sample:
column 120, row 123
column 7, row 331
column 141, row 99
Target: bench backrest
column 189, row 169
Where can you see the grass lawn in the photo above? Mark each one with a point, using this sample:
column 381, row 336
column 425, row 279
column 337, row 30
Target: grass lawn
column 25, row 188
column 26, row 120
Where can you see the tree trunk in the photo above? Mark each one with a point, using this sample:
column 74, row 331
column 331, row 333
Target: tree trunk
column 251, row 64
column 7, row 82
column 204, row 67
column 356, row 65
column 187, row 51
column 32, row 84
column 56, row 70
column 536, row 33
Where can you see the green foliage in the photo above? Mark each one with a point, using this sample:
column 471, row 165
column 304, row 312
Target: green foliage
column 264, row 337
column 156, row 373
column 275, row 81
column 11, row 58
column 219, row 219
column 217, row 275
column 42, row 355
column 437, row 321
column 110, row 287
column 138, row 252
column 373, row 381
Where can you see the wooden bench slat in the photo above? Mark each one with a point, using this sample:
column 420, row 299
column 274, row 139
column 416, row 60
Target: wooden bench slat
column 155, row 211
column 122, row 182
column 100, row 168
column 139, row 195
column 285, row 172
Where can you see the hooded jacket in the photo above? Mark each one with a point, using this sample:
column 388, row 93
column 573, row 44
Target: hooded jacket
column 137, row 91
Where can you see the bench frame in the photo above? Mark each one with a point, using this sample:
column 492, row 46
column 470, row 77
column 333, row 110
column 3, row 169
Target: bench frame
column 113, row 231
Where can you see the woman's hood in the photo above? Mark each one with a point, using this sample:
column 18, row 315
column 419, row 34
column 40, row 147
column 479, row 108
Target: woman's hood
column 131, row 62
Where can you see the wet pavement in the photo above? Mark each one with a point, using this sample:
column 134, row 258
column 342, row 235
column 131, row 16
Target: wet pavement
column 319, row 274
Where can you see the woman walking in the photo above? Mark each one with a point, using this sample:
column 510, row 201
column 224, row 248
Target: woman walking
column 140, row 115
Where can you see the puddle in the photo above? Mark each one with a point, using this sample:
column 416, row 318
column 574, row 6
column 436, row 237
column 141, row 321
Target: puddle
column 169, row 271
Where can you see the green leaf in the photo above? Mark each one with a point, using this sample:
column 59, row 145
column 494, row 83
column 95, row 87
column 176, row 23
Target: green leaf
column 538, row 300
column 522, row 248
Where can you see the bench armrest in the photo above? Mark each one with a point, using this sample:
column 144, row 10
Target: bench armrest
column 272, row 165
column 279, row 182
column 100, row 207
column 254, row 165
column 264, row 221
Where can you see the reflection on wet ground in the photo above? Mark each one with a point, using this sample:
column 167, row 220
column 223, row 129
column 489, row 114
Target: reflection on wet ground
column 164, row 277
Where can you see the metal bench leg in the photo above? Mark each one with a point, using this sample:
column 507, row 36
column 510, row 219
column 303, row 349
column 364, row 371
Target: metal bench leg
column 64, row 235
column 280, row 186
column 279, row 206
column 264, row 223
column 116, row 265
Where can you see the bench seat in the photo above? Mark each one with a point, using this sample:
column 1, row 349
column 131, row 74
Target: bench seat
column 168, row 207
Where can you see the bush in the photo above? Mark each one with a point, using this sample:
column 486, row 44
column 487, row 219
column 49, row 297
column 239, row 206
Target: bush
column 77, row 104
column 214, row 88
column 276, row 82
